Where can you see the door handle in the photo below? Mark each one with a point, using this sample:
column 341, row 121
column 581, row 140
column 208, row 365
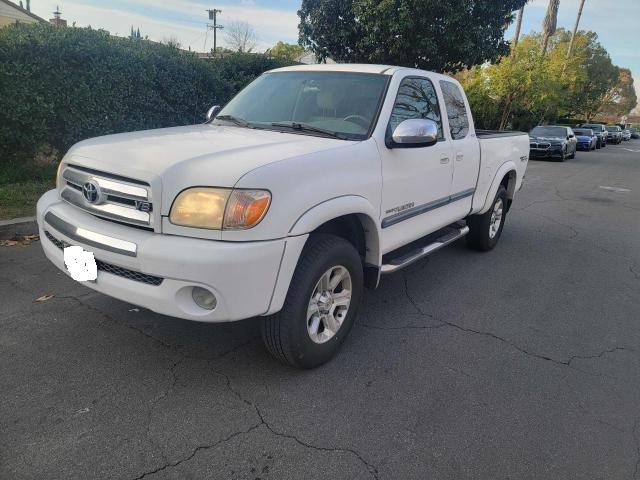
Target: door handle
column 444, row 159
column 459, row 157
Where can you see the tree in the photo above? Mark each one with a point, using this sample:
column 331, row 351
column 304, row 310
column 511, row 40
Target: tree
column 286, row 51
column 429, row 34
column 240, row 37
column 541, row 88
column 620, row 99
column 550, row 23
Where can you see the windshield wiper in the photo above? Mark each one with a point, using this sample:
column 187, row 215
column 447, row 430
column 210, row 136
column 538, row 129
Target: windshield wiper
column 305, row 127
column 241, row 122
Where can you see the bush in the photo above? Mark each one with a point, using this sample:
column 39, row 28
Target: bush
column 61, row 85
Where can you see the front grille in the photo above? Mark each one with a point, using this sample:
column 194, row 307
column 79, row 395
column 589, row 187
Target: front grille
column 539, row 145
column 113, row 269
column 109, row 196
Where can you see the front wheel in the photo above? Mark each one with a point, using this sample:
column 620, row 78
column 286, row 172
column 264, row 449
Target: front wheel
column 485, row 229
column 321, row 305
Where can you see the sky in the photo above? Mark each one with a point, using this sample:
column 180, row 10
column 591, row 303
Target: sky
column 615, row 21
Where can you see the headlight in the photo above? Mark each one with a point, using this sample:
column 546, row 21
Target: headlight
column 219, row 208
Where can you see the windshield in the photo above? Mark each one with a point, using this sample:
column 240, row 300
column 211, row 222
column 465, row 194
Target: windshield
column 586, row 133
column 549, row 132
column 340, row 102
column 595, row 128
column 612, row 129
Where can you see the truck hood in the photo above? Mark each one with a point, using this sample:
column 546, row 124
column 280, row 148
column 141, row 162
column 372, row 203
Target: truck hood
column 200, row 155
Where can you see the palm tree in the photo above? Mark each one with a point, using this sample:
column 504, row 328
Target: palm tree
column 516, row 37
column 550, row 23
column 575, row 29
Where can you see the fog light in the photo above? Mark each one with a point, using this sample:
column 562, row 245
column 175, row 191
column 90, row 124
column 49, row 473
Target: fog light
column 204, row 298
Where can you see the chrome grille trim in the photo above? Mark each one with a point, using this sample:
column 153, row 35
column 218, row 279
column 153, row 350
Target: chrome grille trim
column 88, row 237
column 120, row 200
column 110, row 268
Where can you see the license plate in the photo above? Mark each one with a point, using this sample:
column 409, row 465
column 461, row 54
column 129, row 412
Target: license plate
column 80, row 264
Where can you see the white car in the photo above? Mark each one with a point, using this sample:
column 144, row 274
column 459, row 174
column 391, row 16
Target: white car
column 309, row 185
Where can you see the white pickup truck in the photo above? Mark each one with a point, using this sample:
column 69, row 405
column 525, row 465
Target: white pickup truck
column 306, row 187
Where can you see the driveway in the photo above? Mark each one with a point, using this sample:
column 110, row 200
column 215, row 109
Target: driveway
column 523, row 362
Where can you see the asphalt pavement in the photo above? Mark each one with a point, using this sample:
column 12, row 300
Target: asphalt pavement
column 520, row 363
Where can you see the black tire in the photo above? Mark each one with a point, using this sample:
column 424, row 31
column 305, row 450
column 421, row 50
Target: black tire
column 598, row 145
column 285, row 334
column 478, row 237
column 573, row 155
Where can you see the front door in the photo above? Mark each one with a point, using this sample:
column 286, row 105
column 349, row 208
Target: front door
column 416, row 181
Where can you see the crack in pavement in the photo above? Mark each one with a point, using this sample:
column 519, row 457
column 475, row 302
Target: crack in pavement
column 370, row 467
column 262, row 422
column 195, row 452
column 512, row 344
column 574, row 231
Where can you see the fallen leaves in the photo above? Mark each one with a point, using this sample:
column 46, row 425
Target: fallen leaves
column 44, row 298
column 20, row 241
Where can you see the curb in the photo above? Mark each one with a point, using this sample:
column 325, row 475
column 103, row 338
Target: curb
column 18, row 226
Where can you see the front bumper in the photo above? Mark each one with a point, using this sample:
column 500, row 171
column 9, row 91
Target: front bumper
column 551, row 152
column 158, row 272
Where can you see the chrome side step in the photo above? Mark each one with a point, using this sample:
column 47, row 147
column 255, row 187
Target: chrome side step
column 408, row 258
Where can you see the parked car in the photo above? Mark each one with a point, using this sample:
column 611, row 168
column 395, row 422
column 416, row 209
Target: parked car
column 552, row 141
column 626, row 134
column 614, row 134
column 634, row 133
column 309, row 184
column 586, row 138
column 600, row 131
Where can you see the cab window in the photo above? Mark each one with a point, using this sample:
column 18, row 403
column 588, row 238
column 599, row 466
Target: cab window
column 456, row 110
column 416, row 99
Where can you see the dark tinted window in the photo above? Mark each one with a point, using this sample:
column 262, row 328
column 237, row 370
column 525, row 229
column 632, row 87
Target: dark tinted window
column 586, row 133
column 594, row 127
column 416, row 99
column 613, row 129
column 456, row 110
column 549, row 132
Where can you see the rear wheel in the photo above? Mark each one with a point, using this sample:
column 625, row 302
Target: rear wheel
column 485, row 230
column 321, row 304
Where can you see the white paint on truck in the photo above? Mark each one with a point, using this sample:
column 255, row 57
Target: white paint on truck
column 348, row 180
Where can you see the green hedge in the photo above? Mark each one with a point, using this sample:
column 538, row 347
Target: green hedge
column 61, row 85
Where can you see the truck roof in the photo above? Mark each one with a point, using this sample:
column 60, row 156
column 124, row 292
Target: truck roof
column 360, row 68
column 341, row 67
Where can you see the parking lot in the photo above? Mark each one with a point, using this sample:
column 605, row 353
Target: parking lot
column 523, row 362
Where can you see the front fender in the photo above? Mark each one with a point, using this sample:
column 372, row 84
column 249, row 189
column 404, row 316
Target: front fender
column 338, row 207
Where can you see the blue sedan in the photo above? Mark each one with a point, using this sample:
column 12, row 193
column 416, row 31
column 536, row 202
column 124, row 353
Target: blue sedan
column 587, row 139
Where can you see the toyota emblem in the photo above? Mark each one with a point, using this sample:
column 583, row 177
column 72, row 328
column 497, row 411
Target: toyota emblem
column 91, row 192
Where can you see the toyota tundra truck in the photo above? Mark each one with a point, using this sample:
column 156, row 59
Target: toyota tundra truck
column 309, row 185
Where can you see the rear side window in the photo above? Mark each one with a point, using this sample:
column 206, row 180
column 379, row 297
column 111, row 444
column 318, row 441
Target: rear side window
column 416, row 99
column 456, row 110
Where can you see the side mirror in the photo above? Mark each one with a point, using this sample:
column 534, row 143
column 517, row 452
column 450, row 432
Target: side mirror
column 212, row 112
column 571, row 135
column 414, row 133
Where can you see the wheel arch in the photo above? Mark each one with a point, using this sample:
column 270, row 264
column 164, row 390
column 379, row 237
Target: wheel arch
column 351, row 217
column 506, row 176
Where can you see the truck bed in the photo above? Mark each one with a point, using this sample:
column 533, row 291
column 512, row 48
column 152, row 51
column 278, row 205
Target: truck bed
column 498, row 133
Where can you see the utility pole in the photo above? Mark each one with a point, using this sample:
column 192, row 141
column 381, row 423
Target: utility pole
column 213, row 15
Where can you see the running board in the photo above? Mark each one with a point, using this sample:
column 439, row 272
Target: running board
column 408, row 258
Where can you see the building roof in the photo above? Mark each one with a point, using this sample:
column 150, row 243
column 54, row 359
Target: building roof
column 22, row 10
